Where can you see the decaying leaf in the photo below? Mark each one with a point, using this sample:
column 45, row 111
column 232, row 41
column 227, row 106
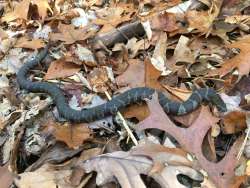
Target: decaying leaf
column 149, row 160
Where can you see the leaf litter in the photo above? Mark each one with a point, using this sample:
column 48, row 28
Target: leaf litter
column 102, row 48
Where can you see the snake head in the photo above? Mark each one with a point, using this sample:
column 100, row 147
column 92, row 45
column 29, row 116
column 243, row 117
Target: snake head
column 218, row 102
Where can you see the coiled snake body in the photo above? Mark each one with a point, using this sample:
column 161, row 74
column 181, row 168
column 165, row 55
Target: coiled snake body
column 118, row 102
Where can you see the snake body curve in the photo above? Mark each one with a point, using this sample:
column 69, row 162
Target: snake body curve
column 121, row 101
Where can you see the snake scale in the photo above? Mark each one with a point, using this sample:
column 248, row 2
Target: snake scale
column 121, row 101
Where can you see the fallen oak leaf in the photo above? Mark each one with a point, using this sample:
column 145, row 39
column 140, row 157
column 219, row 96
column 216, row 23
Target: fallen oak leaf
column 191, row 139
column 127, row 166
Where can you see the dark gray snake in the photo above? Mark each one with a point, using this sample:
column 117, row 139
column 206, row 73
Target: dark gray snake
column 111, row 107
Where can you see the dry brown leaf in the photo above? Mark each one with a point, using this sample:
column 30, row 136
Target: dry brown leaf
column 234, row 122
column 133, row 76
column 138, row 111
column 69, row 34
column 240, row 61
column 199, row 20
column 31, row 44
column 43, row 7
column 72, row 134
column 149, row 159
column 61, row 69
column 20, row 12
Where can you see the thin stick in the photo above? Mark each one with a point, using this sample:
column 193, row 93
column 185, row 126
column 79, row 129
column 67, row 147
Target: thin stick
column 243, row 144
column 246, row 137
column 124, row 122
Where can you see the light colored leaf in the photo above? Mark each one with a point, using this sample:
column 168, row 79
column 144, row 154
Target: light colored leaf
column 149, row 159
column 20, row 12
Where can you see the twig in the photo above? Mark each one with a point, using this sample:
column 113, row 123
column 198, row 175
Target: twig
column 245, row 139
column 124, row 122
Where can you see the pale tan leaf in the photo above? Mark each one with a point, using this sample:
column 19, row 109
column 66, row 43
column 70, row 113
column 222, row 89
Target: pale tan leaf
column 31, row 44
column 43, row 7
column 20, row 12
column 44, row 177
